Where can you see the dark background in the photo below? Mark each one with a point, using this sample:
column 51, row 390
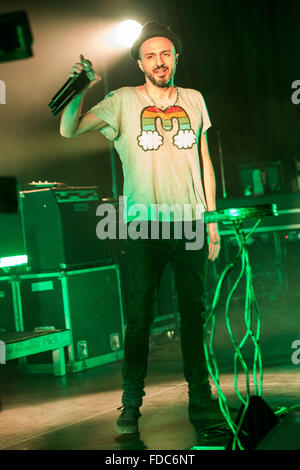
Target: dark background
column 241, row 54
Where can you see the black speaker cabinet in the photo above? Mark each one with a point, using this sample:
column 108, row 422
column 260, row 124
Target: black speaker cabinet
column 60, row 229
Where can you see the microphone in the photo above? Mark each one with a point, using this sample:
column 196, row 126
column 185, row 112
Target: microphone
column 71, row 88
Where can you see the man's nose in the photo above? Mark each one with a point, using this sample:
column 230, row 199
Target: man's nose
column 159, row 61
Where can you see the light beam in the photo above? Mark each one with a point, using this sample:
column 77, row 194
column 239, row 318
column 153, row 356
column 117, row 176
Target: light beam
column 126, row 33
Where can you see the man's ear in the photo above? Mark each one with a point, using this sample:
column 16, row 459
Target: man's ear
column 176, row 57
column 140, row 65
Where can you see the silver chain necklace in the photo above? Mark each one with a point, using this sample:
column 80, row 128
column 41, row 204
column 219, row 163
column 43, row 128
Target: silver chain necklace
column 162, row 106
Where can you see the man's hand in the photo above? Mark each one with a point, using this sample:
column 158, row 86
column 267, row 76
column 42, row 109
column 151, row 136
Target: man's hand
column 79, row 66
column 214, row 246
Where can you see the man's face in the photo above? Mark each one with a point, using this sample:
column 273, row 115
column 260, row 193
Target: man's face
column 158, row 60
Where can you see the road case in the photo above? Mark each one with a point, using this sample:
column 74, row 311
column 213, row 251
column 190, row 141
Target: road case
column 88, row 302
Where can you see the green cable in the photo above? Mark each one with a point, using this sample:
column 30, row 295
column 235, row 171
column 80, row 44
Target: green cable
column 210, row 359
column 250, row 301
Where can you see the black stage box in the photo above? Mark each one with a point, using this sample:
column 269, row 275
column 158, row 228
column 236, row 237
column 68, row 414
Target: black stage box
column 60, row 229
column 86, row 301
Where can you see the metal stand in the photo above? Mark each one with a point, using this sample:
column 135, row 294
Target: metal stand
column 252, row 319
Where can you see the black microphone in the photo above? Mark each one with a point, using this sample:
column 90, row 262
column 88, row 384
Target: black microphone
column 71, row 88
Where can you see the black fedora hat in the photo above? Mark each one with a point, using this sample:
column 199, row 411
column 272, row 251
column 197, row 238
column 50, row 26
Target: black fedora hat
column 151, row 30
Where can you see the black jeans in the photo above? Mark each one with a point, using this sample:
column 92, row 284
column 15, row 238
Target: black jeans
column 147, row 260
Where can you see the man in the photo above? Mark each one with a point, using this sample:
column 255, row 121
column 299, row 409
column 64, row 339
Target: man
column 159, row 131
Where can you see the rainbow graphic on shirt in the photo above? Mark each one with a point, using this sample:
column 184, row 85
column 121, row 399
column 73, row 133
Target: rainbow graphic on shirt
column 150, row 139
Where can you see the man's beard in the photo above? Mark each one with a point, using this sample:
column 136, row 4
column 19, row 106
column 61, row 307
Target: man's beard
column 164, row 83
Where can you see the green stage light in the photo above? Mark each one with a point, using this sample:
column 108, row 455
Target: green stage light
column 9, row 261
column 234, row 212
column 208, row 448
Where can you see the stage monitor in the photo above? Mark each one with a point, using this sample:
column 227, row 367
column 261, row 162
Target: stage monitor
column 15, row 36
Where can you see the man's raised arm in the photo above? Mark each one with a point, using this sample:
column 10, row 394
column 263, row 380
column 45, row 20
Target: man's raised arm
column 72, row 124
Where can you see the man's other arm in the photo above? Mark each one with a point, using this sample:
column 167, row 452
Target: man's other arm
column 208, row 175
column 210, row 195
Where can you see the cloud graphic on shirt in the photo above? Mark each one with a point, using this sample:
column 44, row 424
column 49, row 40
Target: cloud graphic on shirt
column 150, row 140
column 184, row 139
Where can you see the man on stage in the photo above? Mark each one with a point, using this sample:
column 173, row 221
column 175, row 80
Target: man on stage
column 159, row 131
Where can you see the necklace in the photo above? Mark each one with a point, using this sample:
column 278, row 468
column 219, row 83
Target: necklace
column 163, row 107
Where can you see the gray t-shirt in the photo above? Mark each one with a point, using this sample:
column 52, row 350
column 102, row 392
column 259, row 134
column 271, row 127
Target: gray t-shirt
column 159, row 152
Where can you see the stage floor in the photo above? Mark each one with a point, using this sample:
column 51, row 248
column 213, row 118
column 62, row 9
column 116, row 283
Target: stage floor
column 78, row 412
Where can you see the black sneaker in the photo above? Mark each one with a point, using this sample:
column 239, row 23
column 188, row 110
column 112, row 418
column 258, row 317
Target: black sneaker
column 203, row 404
column 207, row 407
column 127, row 423
column 204, row 409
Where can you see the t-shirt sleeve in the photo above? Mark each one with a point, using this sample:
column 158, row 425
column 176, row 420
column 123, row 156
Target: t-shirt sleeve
column 110, row 111
column 206, row 123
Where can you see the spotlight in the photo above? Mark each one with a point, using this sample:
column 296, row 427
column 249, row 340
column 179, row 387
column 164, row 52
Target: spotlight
column 127, row 32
